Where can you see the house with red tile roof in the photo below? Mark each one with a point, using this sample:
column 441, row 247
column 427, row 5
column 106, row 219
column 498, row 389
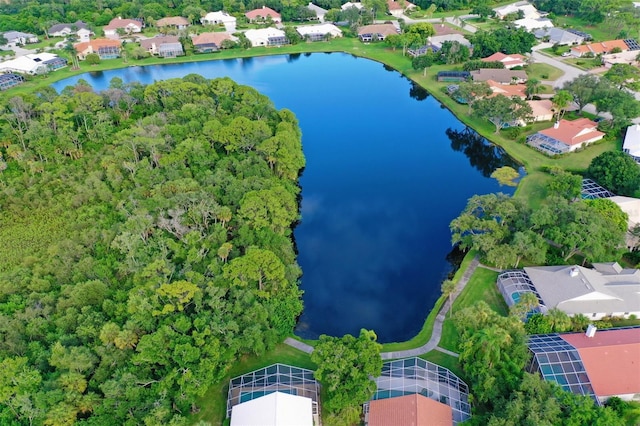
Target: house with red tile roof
column 601, row 47
column 397, row 8
column 509, row 61
column 262, row 14
column 104, row 47
column 508, row 90
column 128, row 25
column 566, row 136
column 177, row 22
column 409, row 410
column 210, row 42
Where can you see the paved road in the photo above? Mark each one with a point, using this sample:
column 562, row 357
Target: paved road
column 450, row 19
column 435, row 334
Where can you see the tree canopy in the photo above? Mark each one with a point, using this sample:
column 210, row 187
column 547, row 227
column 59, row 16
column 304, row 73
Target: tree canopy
column 146, row 245
column 616, row 171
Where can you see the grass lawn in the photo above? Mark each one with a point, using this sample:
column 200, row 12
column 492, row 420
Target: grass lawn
column 447, row 361
column 481, row 286
column 585, row 63
column 50, row 42
column 214, row 402
column 599, row 32
column 542, row 71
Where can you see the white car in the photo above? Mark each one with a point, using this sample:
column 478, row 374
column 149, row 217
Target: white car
column 565, row 54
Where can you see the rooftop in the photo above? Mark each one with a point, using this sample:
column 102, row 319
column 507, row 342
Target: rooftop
column 409, row 410
column 274, row 409
column 385, row 29
column 158, row 40
column 262, row 12
column 96, row 44
column 499, row 75
column 631, row 144
column 173, row 20
column 211, row 38
column 573, row 132
column 601, row 47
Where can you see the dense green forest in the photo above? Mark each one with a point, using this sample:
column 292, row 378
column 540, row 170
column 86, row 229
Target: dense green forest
column 145, row 238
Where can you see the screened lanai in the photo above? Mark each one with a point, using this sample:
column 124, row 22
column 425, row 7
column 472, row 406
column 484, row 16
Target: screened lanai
column 415, row 375
column 591, row 190
column 513, row 283
column 274, row 378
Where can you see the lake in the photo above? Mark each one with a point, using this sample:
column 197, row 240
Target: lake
column 388, row 167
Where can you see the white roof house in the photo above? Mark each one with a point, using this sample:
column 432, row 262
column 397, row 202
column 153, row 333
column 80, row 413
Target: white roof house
column 349, row 4
column 527, row 9
column 266, row 37
column 320, row 12
column 437, row 41
column 18, row 37
column 606, row 290
column 319, row 31
column 274, row 409
column 631, row 144
column 531, row 24
column 220, row 17
column 559, row 36
column 33, row 63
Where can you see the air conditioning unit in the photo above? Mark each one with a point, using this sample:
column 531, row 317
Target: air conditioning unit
column 591, row 330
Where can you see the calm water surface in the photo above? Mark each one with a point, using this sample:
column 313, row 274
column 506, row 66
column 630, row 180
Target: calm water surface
column 387, row 169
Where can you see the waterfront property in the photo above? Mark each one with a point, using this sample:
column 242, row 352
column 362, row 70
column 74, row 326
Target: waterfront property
column 10, row 80
column 437, row 40
column 33, row 63
column 104, row 47
column 604, row 291
column 376, row 32
column 210, row 42
column 411, row 376
column 566, row 136
column 631, row 144
column 453, row 76
column 266, row 37
column 163, row 46
column 502, row 76
column 319, row 32
column 541, row 110
column 600, row 364
column 275, row 395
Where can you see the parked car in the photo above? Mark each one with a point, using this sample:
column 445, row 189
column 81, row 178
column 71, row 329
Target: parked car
column 565, row 54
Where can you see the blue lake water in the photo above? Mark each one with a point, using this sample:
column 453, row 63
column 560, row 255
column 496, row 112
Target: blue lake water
column 387, row 169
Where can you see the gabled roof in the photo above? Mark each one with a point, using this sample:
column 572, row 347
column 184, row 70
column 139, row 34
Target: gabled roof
column 59, row 27
column 499, row 75
column 219, row 16
column 409, row 410
column 12, row 35
column 173, row 20
column 631, row 143
column 317, row 9
column 384, row 29
column 507, row 90
column 96, row 44
column 262, row 12
column 541, row 107
column 274, row 409
column 116, row 23
column 533, row 23
column 611, row 359
column 349, row 4
column 158, row 41
column 396, row 5
column 558, row 35
column 601, row 47
column 513, row 60
column 528, row 9
column 318, row 29
column 573, row 132
column 575, row 289
column 211, row 38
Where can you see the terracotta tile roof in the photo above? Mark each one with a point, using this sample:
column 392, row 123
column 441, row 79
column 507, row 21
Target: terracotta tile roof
column 507, row 90
column 158, row 41
column 574, row 132
column 384, row 29
column 611, row 359
column 122, row 23
column 395, row 5
column 601, row 47
column 209, row 38
column 409, row 410
column 262, row 13
column 96, row 44
column 173, row 20
column 541, row 107
column 508, row 60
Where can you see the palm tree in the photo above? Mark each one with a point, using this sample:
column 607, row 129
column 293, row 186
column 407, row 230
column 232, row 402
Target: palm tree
column 561, row 102
column 533, row 87
column 560, row 321
column 71, row 50
column 528, row 301
column 448, row 288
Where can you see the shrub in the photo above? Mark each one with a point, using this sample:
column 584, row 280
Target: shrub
column 93, row 59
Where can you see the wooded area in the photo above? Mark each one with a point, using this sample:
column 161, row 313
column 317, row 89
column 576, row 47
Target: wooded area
column 146, row 241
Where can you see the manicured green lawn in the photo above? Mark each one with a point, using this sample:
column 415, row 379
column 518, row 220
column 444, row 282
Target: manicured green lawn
column 585, row 63
column 599, row 32
column 481, row 286
column 213, row 404
column 542, row 71
column 446, row 361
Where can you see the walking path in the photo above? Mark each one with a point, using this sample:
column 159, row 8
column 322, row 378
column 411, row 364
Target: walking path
column 435, row 334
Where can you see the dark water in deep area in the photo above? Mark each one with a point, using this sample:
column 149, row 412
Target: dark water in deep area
column 387, row 169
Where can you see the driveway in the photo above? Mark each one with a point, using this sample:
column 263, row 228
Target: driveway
column 570, row 72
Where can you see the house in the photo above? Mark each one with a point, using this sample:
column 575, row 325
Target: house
column 266, row 37
column 606, row 290
column 559, row 36
column 84, row 34
column 453, row 76
column 397, row 8
column 416, row 376
column 502, row 76
column 566, row 136
column 376, row 32
column 163, row 46
column 414, row 409
column 599, row 363
column 528, row 10
column 9, row 80
column 509, row 61
column 275, row 395
column 262, row 14
column 319, row 32
column 210, row 42
column 631, row 143
column 104, row 47
column 437, row 41
column 349, row 5
column 542, row 110
column 216, row 18
column 177, row 22
column 15, row 38
column 531, row 24
column 598, row 48
column 63, row 30
column 630, row 57
column 320, row 12
column 129, row 26
column 274, row 409
column 33, row 64
column 508, row 90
